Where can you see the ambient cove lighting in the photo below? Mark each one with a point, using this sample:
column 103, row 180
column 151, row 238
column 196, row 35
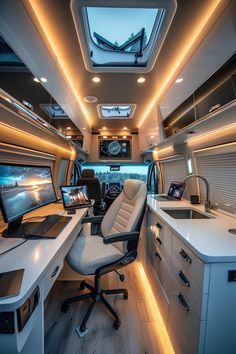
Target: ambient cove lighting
column 160, row 331
column 53, row 40
column 180, row 57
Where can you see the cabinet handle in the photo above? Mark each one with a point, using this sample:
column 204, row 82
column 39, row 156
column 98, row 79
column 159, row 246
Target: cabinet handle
column 159, row 240
column 182, row 302
column 157, row 255
column 185, row 256
column 159, row 225
column 183, row 279
column 55, row 272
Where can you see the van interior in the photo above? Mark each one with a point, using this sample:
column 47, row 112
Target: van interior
column 117, row 176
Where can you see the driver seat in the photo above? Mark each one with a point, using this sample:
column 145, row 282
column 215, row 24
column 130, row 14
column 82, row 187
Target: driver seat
column 94, row 189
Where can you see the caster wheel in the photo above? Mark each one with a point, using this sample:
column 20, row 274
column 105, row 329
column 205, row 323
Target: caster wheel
column 81, row 286
column 122, row 277
column 116, row 324
column 64, row 308
column 126, row 296
column 81, row 331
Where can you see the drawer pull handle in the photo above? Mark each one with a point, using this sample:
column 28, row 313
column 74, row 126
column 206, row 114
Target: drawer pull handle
column 55, row 272
column 157, row 255
column 185, row 256
column 159, row 240
column 159, row 226
column 183, row 279
column 182, row 302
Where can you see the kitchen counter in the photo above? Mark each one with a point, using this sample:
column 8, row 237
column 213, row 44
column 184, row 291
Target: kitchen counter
column 209, row 239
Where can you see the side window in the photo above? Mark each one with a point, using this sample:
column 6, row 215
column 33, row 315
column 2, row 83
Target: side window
column 76, row 174
column 62, row 172
column 152, row 180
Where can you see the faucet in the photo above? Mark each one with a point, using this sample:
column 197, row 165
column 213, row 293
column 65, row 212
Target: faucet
column 207, row 201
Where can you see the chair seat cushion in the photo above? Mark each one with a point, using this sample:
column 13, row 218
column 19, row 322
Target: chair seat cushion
column 89, row 253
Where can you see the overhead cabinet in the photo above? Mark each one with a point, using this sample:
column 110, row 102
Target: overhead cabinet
column 215, row 93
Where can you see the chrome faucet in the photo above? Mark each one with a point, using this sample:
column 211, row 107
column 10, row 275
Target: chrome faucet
column 207, row 201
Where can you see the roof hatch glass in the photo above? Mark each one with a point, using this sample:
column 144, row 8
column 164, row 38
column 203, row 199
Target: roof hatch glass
column 116, row 111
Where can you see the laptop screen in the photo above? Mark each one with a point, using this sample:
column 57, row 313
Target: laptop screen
column 176, row 190
column 75, row 196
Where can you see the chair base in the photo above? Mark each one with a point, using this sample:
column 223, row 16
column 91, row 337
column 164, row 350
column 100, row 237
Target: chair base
column 95, row 295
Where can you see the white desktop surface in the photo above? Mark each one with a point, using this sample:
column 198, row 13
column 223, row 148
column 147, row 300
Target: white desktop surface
column 39, row 258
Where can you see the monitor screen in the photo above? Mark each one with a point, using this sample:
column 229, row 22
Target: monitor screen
column 24, row 188
column 176, row 190
column 115, row 149
column 74, row 196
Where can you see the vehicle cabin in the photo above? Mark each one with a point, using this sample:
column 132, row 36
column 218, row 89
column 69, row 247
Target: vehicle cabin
column 117, row 176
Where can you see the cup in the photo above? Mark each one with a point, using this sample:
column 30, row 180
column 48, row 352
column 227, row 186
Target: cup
column 194, row 199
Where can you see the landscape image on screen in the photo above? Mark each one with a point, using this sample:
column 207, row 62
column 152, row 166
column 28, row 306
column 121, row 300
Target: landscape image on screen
column 74, row 196
column 24, row 188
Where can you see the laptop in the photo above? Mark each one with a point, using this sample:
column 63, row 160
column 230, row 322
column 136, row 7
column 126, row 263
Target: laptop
column 175, row 192
column 75, row 197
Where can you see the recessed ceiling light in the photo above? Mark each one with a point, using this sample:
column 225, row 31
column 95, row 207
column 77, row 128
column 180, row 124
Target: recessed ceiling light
column 104, row 128
column 68, row 128
column 45, row 124
column 68, row 136
column 36, row 79
column 104, row 137
column 179, row 80
column 84, row 128
column 125, row 128
column 90, row 99
column 43, row 79
column 124, row 136
column 141, row 80
column 152, row 136
column 96, row 79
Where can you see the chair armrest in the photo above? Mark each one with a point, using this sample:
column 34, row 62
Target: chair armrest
column 123, row 236
column 92, row 219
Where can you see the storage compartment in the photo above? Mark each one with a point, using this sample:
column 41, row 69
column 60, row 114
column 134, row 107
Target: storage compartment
column 162, row 237
column 161, row 268
column 191, row 264
column 52, row 273
column 184, row 326
column 180, row 118
column 189, row 290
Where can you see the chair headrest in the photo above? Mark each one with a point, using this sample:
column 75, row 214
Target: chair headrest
column 131, row 187
column 87, row 173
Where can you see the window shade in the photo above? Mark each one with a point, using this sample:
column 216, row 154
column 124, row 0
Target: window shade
column 173, row 170
column 220, row 171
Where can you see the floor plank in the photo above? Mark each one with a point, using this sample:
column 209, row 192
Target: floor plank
column 137, row 334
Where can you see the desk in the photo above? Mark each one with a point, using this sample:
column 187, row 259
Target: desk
column 42, row 260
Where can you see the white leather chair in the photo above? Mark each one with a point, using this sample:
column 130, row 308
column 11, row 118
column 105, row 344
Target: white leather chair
column 114, row 249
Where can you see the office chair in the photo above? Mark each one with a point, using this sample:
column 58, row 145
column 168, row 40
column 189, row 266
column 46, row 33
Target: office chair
column 116, row 248
column 94, row 190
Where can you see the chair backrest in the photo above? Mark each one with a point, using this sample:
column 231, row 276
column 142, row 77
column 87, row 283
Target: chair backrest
column 92, row 183
column 126, row 212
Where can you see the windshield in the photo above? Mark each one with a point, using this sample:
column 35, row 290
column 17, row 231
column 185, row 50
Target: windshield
column 104, row 174
column 121, row 29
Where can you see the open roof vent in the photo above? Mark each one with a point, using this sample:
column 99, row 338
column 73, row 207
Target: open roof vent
column 116, row 111
column 121, row 38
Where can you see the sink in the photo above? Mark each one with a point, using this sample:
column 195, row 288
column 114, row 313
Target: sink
column 186, row 214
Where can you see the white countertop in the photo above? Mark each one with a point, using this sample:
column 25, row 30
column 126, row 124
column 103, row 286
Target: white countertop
column 209, row 239
column 35, row 255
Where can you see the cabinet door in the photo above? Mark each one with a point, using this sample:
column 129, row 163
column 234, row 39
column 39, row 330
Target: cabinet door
column 184, row 326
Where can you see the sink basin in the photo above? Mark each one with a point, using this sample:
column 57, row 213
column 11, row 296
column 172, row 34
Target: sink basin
column 186, row 214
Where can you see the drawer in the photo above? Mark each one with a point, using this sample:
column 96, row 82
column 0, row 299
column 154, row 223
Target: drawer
column 189, row 290
column 161, row 268
column 191, row 265
column 162, row 236
column 52, row 273
column 185, row 329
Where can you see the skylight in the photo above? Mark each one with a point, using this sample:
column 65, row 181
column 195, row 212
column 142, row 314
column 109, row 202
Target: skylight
column 121, row 111
column 131, row 34
column 122, row 38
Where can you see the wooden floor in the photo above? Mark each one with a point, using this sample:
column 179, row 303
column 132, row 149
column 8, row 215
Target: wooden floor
column 137, row 334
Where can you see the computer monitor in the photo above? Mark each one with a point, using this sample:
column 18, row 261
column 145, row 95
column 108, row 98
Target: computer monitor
column 24, row 188
column 75, row 197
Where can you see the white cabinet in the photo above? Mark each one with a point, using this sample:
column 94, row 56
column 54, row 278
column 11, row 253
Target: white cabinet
column 197, row 300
